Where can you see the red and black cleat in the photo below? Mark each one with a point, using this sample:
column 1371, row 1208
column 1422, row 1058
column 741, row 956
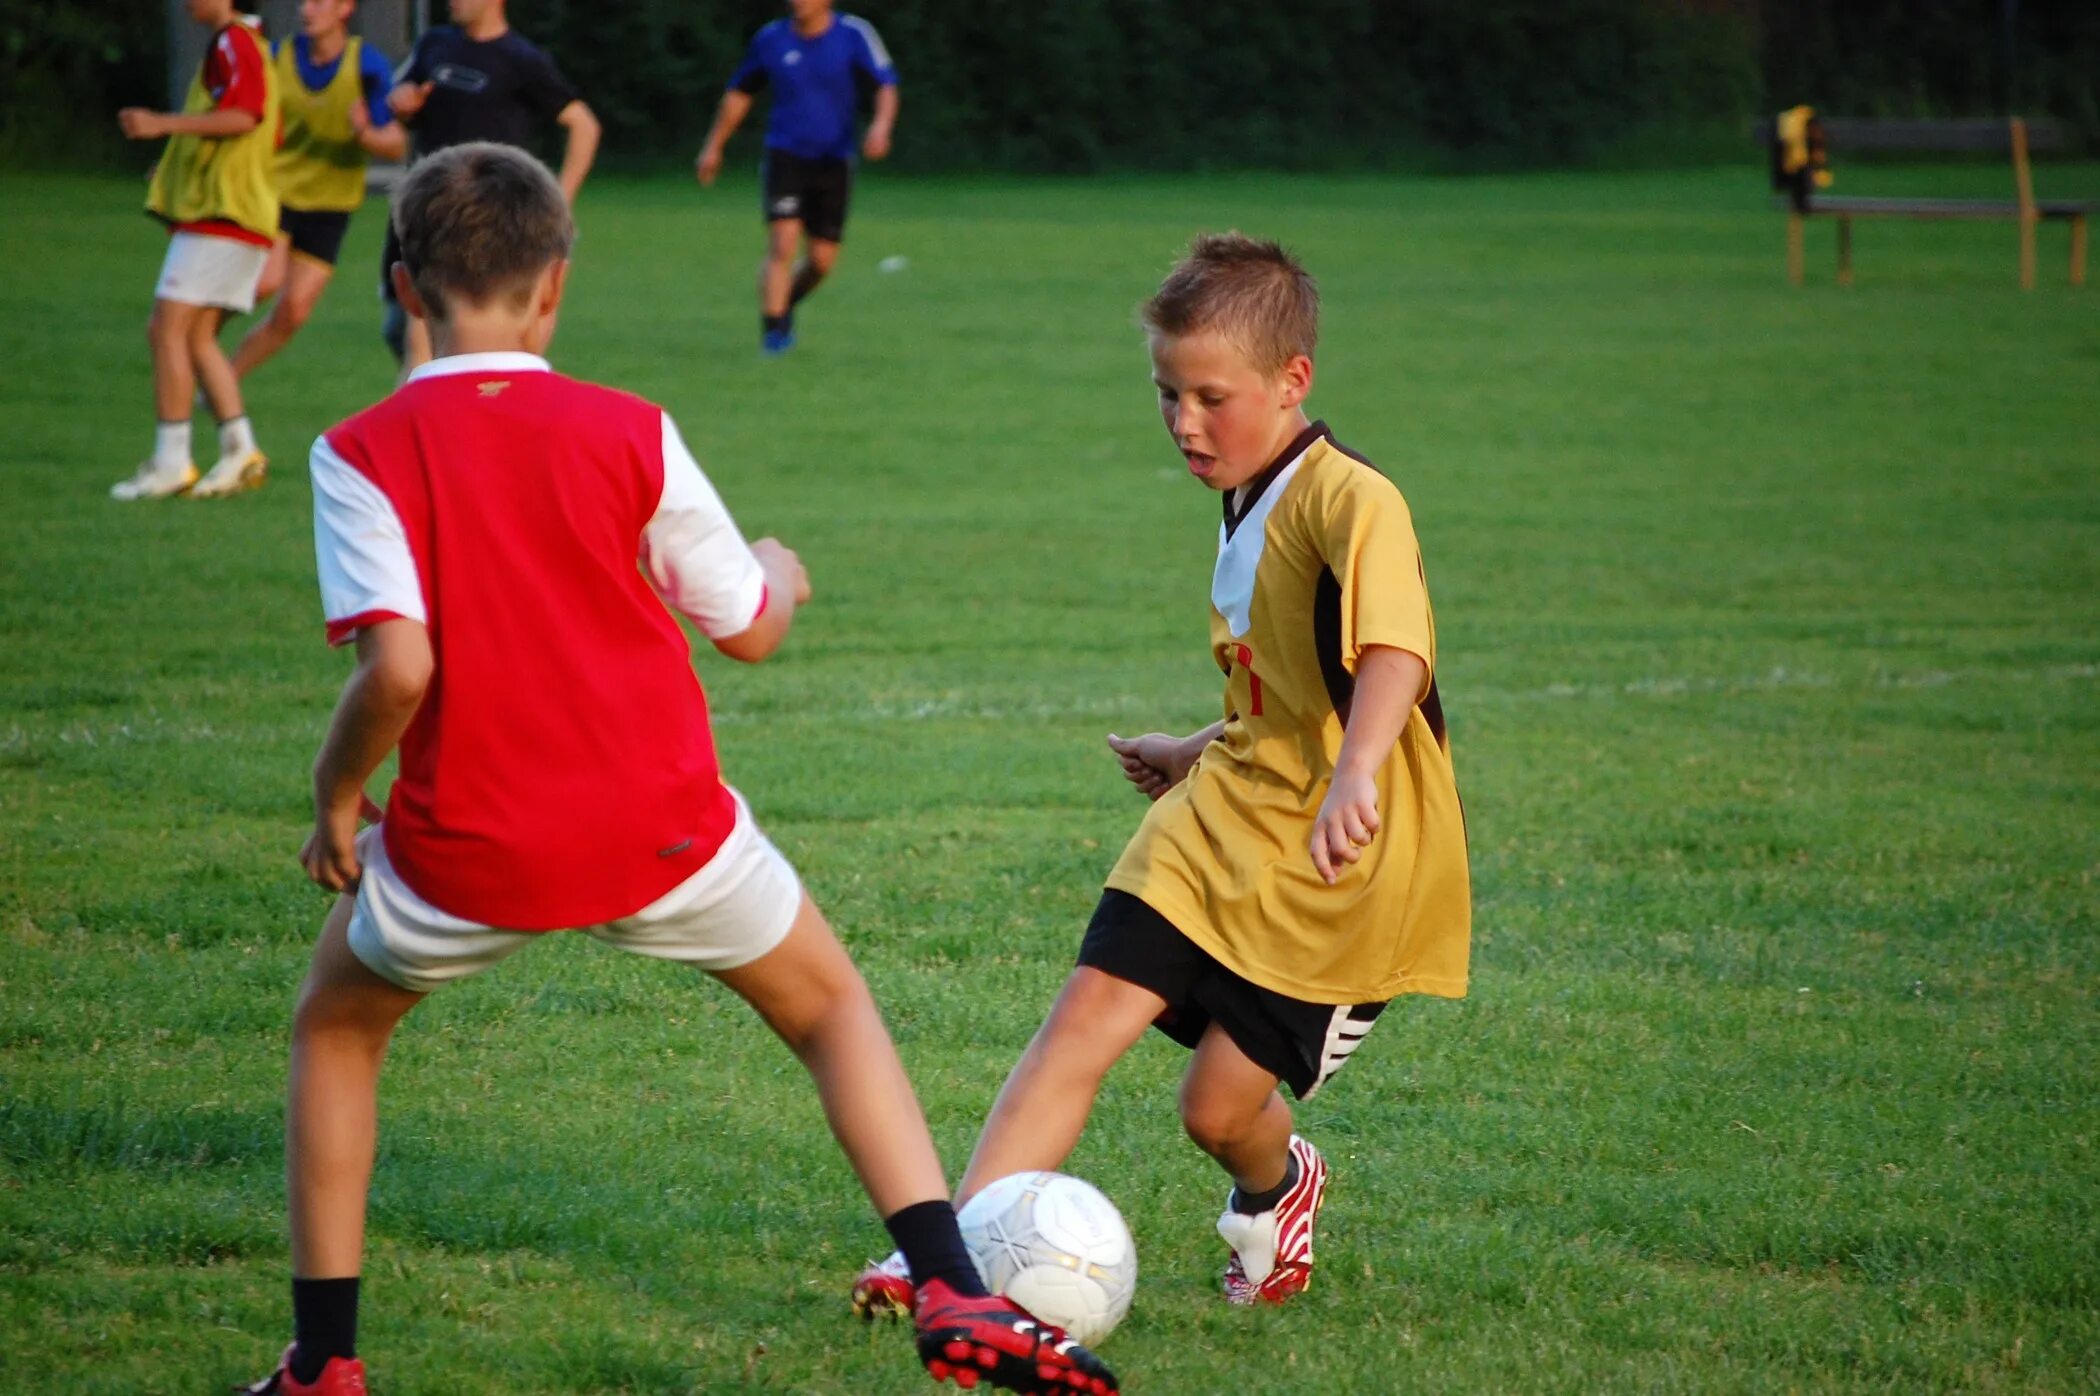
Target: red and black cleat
column 994, row 1340
column 343, row 1376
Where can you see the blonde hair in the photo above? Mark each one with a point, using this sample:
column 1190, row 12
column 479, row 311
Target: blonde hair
column 479, row 221
column 1252, row 292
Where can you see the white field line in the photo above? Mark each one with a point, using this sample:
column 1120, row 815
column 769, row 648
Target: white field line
column 1779, row 679
column 954, row 707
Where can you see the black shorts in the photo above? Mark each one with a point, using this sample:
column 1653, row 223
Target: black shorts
column 315, row 234
column 815, row 191
column 1302, row 1043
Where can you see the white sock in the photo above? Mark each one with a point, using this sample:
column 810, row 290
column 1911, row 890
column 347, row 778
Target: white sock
column 236, row 437
column 171, row 445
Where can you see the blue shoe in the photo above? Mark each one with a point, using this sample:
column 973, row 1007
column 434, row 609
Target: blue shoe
column 774, row 343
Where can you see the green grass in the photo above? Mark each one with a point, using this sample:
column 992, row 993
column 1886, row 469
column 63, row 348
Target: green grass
column 1771, row 655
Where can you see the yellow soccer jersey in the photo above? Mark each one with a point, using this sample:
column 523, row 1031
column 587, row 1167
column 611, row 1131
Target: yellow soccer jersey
column 1317, row 560
column 320, row 165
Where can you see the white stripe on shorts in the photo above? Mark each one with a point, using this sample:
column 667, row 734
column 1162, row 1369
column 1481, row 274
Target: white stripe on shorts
column 1344, row 1035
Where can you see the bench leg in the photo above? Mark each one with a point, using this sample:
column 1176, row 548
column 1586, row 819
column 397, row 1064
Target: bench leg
column 1844, row 249
column 2078, row 250
column 1793, row 248
column 2026, row 253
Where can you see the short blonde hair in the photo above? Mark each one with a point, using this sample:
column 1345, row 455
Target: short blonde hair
column 479, row 221
column 1252, row 292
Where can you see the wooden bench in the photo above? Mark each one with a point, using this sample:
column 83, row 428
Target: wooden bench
column 1803, row 199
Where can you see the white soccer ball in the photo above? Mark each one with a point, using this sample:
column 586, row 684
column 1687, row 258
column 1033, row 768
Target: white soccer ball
column 1057, row 1247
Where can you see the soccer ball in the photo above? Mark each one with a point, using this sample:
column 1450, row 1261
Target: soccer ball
column 1057, row 1247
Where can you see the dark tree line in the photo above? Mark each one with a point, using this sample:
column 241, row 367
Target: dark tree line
column 1193, row 84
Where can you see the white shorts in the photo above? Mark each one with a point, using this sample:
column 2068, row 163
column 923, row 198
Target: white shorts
column 204, row 270
column 727, row 914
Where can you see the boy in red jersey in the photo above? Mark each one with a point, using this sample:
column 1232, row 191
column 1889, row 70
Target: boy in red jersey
column 501, row 542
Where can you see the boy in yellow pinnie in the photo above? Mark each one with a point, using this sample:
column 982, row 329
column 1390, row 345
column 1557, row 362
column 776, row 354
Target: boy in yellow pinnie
column 1304, row 859
column 212, row 188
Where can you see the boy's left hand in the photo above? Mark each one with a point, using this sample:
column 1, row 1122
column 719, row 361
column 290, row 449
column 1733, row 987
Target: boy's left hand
column 1347, row 822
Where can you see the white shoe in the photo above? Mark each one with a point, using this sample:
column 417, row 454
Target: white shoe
column 232, row 475
column 152, row 481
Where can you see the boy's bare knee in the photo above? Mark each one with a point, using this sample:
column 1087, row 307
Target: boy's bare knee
column 833, row 1004
column 167, row 326
column 1215, row 1123
column 323, row 1014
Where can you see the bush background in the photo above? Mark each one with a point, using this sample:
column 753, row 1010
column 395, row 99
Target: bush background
column 1095, row 85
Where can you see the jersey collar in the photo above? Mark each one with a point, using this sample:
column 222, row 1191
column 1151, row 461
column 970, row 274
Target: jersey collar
column 495, row 361
column 1252, row 492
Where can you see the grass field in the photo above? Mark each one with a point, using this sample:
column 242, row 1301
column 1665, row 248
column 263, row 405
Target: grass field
column 1772, row 658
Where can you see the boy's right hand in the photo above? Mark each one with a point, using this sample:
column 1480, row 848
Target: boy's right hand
column 1155, row 763
column 708, row 166
column 784, row 571
column 330, row 854
column 408, row 98
column 140, row 123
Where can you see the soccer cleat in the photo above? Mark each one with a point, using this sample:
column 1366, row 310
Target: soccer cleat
column 232, row 475
column 995, row 1340
column 1272, row 1253
column 152, row 481
column 774, row 343
column 343, row 1376
column 884, row 1289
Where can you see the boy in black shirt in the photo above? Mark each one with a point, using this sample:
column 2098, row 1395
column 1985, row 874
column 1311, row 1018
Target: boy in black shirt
column 477, row 79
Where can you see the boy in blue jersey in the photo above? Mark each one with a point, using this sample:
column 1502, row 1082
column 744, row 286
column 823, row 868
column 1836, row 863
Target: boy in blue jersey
column 819, row 64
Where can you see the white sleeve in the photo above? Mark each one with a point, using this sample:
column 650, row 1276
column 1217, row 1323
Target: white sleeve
column 367, row 572
column 694, row 556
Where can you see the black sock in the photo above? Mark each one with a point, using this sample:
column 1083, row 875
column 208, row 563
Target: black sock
column 1253, row 1204
column 933, row 1247
column 324, row 1324
column 807, row 279
column 776, row 322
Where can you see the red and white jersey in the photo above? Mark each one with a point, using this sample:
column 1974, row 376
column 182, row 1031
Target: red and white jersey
column 561, row 771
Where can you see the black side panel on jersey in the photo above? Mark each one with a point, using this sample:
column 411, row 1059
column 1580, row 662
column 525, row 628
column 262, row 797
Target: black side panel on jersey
column 1433, row 710
column 1341, row 684
column 1327, row 643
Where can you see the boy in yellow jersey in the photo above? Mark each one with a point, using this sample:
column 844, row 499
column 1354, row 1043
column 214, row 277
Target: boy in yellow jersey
column 1304, row 859
column 213, row 190
column 332, row 86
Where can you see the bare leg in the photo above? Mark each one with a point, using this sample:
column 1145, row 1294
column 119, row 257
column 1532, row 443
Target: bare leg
column 174, row 374
column 776, row 275
column 816, row 264
column 303, row 282
column 272, row 279
column 1231, row 1108
column 222, row 391
column 346, row 1015
column 809, row 993
column 1044, row 1104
